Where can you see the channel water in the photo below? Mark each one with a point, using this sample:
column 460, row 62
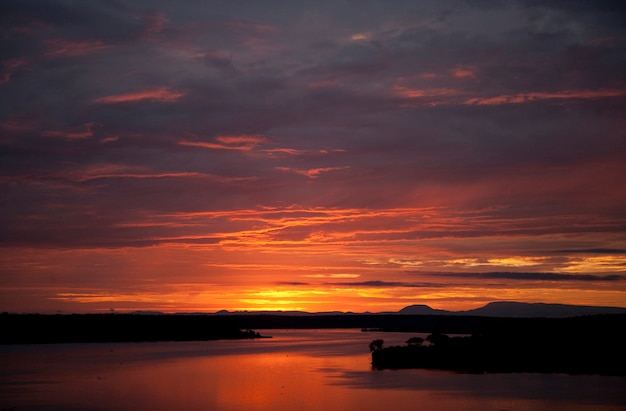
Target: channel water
column 322, row 369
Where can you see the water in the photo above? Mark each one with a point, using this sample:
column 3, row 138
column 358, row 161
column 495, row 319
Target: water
column 296, row 370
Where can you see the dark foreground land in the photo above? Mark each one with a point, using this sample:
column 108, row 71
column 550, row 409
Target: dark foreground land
column 581, row 345
column 90, row 328
column 594, row 344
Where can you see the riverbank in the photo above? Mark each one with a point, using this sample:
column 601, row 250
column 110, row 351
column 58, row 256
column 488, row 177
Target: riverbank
column 582, row 345
column 99, row 328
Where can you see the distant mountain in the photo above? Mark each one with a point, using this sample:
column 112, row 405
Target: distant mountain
column 530, row 310
column 421, row 309
column 519, row 310
column 495, row 309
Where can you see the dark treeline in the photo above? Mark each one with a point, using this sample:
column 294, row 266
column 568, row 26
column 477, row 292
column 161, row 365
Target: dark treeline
column 580, row 345
column 379, row 322
column 88, row 328
column 40, row 328
column 61, row 328
column 587, row 331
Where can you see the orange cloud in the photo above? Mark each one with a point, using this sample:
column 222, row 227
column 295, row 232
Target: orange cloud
column 534, row 96
column 429, row 96
column 241, row 139
column 407, row 92
column 312, row 172
column 238, row 143
column 162, row 94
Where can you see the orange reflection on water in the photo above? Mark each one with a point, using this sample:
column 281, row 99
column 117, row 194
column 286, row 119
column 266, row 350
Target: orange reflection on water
column 260, row 381
column 297, row 370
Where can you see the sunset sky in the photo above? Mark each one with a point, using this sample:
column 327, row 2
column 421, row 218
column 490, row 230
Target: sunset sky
column 311, row 155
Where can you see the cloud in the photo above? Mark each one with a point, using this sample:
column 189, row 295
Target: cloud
column 75, row 133
column 594, row 251
column 162, row 94
column 532, row 276
column 332, row 275
column 346, row 146
column 464, row 72
column 539, row 96
column 10, row 67
column 60, row 47
column 373, row 283
column 294, row 283
column 235, row 142
column 312, row 172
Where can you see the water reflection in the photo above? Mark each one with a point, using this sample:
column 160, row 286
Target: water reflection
column 297, row 369
column 544, row 387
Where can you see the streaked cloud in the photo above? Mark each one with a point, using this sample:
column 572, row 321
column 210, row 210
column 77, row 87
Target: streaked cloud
column 162, row 94
column 60, row 47
column 312, row 172
column 538, row 96
column 237, row 143
column 74, row 133
column 531, row 276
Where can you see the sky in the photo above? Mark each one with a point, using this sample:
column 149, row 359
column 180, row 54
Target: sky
column 311, row 155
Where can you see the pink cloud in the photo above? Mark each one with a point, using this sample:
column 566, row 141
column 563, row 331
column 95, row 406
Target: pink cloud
column 241, row 139
column 107, row 170
column 241, row 26
column 239, row 143
column 323, row 83
column 312, row 172
column 76, row 133
column 429, row 75
column 156, row 21
column 284, row 151
column 109, row 139
column 60, row 47
column 407, row 92
column 534, row 96
column 464, row 72
column 162, row 94
column 252, row 35
column 10, row 66
column 18, row 126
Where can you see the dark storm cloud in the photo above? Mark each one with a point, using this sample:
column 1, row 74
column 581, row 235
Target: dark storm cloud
column 292, row 283
column 525, row 276
column 593, row 251
column 385, row 284
column 115, row 108
column 373, row 283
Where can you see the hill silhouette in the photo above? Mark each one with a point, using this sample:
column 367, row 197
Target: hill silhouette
column 519, row 310
column 494, row 309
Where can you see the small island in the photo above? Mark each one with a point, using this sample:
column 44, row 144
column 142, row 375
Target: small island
column 561, row 349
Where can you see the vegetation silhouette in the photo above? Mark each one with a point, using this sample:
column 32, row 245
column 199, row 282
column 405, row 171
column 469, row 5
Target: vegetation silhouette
column 567, row 347
column 376, row 345
column 89, row 328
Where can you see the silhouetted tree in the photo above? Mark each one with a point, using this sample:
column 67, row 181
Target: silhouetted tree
column 415, row 341
column 376, row 345
column 437, row 339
